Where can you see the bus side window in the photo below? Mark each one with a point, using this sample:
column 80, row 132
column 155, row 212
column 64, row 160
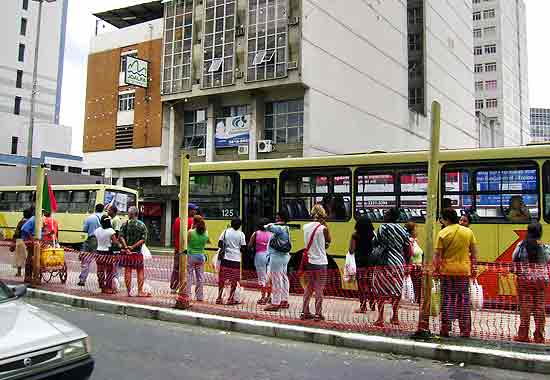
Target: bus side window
column 63, row 199
column 546, row 190
column 80, row 202
column 25, row 199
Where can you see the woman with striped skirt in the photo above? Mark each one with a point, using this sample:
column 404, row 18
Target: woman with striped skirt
column 392, row 254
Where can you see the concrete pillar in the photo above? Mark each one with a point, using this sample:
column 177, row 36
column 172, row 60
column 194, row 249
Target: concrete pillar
column 211, row 131
column 170, row 176
column 168, row 224
column 257, row 119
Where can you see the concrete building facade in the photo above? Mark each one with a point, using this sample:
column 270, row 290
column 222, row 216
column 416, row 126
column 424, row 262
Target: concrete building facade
column 501, row 78
column 251, row 79
column 19, row 20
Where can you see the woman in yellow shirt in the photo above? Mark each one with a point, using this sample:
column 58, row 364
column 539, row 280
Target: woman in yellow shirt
column 455, row 263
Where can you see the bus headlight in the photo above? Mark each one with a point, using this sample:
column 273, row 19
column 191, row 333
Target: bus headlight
column 76, row 349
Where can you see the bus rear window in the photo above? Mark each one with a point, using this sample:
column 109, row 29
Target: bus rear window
column 122, row 200
column 217, row 195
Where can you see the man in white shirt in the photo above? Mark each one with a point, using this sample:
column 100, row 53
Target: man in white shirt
column 233, row 243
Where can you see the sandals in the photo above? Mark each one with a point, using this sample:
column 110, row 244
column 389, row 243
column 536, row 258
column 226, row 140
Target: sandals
column 219, row 301
column 273, row 308
column 232, row 302
column 284, row 305
column 306, row 316
column 145, row 295
column 262, row 301
column 318, row 318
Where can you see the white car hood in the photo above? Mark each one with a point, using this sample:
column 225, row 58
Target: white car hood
column 26, row 328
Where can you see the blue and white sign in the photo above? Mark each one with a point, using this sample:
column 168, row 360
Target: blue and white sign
column 232, row 131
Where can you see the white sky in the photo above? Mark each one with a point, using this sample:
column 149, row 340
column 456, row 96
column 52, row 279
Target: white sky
column 81, row 26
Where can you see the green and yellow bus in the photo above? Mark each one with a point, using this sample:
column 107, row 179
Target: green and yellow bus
column 481, row 182
column 74, row 204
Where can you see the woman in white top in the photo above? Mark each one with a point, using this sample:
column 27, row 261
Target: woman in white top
column 233, row 241
column 105, row 258
column 317, row 238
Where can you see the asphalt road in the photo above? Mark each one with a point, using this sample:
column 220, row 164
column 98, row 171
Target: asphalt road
column 130, row 349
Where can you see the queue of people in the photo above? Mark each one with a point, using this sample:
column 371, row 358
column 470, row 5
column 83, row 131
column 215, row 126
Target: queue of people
column 384, row 258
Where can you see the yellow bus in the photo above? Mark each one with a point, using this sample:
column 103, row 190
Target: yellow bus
column 481, row 182
column 74, row 204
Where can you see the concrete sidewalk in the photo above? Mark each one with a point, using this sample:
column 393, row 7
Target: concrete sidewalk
column 475, row 352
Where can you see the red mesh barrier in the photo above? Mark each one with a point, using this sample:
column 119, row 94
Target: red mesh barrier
column 510, row 303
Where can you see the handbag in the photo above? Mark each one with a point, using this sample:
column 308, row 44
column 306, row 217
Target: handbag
column 279, row 244
column 221, row 250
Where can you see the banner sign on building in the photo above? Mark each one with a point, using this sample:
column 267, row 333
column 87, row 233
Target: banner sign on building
column 232, row 131
column 137, row 72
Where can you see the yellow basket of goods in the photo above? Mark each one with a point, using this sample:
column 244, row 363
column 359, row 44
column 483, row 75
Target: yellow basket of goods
column 52, row 257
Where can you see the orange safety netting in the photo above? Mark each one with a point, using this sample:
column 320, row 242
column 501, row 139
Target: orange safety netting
column 508, row 302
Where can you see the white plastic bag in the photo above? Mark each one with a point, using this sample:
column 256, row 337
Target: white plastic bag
column 216, row 263
column 116, row 284
column 350, row 269
column 146, row 252
column 238, row 293
column 476, row 295
column 408, row 290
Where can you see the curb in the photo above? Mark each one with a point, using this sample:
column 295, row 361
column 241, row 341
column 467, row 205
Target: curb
column 517, row 361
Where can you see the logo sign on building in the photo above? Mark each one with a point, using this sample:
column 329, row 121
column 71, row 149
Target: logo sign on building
column 137, row 72
column 232, row 131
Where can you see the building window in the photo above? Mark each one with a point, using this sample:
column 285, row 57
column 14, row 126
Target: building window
column 491, row 85
column 178, row 46
column 19, row 79
column 479, row 104
column 126, row 101
column 476, row 16
column 489, row 67
column 478, row 50
column 25, row 5
column 477, row 33
column 490, row 32
column 21, row 55
column 476, row 1
column 75, row 170
column 124, row 138
column 479, row 86
column 415, row 41
column 17, row 105
column 489, row 13
column 14, row 142
column 267, row 40
column 284, row 121
column 490, row 49
column 57, row 168
column 478, row 68
column 123, row 60
column 23, row 29
column 414, row 16
column 219, row 43
column 194, row 129
column 491, row 103
column 416, row 97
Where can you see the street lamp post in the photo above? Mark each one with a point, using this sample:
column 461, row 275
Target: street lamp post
column 34, row 91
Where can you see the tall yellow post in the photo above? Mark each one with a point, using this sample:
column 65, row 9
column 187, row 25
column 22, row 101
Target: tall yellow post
column 37, row 226
column 182, row 301
column 431, row 220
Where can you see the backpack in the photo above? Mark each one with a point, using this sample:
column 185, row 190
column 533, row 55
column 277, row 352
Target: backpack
column 279, row 243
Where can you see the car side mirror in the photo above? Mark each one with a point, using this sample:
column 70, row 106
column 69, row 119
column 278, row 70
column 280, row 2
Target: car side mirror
column 19, row 290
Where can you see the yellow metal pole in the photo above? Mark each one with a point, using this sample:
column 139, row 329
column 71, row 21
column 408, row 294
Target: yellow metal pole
column 182, row 301
column 431, row 219
column 37, row 226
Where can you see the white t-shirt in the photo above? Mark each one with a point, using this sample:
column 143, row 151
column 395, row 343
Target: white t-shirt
column 317, row 254
column 234, row 240
column 104, row 238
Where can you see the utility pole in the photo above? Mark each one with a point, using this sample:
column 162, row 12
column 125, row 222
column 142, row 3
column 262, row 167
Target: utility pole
column 34, row 92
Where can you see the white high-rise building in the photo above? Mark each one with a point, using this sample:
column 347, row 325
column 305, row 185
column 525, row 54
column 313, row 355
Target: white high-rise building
column 501, row 80
column 19, row 21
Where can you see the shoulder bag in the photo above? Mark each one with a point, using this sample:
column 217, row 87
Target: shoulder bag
column 280, row 244
column 221, row 250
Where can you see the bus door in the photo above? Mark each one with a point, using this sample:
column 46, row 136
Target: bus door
column 259, row 201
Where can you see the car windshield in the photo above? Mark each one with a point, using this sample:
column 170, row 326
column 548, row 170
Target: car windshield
column 5, row 293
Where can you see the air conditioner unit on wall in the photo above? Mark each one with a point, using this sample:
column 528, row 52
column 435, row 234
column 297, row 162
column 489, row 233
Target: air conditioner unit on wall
column 293, row 21
column 292, row 65
column 239, row 74
column 265, row 146
column 240, row 31
column 201, row 152
column 243, row 149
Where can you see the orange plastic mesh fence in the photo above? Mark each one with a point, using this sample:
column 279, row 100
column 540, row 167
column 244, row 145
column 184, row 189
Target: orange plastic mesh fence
column 506, row 303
